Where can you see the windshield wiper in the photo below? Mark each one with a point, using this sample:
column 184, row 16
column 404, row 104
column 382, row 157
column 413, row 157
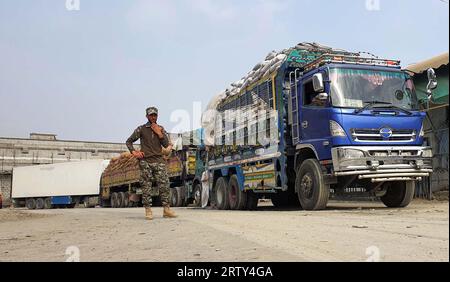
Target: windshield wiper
column 369, row 105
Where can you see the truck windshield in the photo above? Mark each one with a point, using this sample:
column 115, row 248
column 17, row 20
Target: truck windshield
column 355, row 88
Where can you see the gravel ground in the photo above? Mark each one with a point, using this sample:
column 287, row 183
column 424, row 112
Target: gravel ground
column 346, row 231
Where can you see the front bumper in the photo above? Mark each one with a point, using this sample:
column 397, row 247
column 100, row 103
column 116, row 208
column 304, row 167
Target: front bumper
column 382, row 163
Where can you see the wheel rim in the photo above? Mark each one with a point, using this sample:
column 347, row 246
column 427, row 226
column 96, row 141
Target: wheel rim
column 48, row 203
column 114, row 200
column 126, row 200
column 219, row 197
column 39, row 204
column 197, row 196
column 174, row 197
column 306, row 186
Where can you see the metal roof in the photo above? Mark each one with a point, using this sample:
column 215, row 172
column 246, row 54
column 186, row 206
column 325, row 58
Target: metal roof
column 434, row 62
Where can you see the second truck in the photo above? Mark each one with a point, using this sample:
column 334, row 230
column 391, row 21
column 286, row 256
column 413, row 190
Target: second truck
column 120, row 183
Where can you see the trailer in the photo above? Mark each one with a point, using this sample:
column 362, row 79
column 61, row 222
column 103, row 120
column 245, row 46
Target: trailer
column 57, row 185
column 121, row 181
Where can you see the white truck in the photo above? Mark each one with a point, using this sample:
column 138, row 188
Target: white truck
column 58, row 185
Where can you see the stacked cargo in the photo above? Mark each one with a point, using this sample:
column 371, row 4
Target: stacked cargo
column 257, row 87
column 122, row 170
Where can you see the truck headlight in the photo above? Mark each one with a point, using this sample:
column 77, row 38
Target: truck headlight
column 350, row 154
column 336, row 130
column 427, row 153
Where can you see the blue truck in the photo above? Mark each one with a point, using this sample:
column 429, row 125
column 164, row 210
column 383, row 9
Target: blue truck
column 312, row 121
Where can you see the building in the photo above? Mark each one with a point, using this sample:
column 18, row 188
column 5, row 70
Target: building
column 46, row 149
column 436, row 123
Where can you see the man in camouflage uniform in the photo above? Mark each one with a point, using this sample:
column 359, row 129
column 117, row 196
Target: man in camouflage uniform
column 153, row 167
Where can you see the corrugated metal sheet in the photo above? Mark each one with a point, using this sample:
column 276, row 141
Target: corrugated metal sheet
column 434, row 62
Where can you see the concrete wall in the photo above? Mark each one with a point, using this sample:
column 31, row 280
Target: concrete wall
column 5, row 188
column 24, row 152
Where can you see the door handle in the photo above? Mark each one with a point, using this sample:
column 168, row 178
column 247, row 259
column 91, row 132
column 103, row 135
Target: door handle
column 305, row 124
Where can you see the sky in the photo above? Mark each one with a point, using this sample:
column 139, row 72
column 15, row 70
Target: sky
column 87, row 69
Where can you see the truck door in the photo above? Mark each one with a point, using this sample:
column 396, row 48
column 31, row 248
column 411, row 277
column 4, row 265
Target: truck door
column 314, row 117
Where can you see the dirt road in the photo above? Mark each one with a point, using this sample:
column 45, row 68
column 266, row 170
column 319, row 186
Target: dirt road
column 344, row 232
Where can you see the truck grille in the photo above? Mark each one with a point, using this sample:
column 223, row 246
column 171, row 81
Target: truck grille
column 375, row 135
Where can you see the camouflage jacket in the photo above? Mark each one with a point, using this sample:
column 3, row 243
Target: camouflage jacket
column 150, row 143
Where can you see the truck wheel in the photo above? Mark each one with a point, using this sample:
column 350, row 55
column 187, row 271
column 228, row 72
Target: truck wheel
column 86, row 203
column 40, row 204
column 30, row 203
column 114, row 200
column 181, row 202
column 313, row 193
column 222, row 194
column 252, row 201
column 121, row 200
column 126, row 200
column 236, row 197
column 48, row 203
column 198, row 195
column 174, row 197
column 399, row 194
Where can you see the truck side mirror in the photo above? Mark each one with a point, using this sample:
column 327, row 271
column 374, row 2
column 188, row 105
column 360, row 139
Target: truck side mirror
column 432, row 82
column 318, row 82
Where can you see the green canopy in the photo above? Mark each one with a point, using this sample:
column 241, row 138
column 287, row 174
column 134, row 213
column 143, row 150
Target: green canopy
column 440, row 64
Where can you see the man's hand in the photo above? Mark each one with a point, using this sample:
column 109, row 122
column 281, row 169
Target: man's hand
column 138, row 154
column 158, row 130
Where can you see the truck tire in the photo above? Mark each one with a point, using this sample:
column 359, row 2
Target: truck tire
column 313, row 193
column 48, row 203
column 197, row 195
column 174, row 197
column 252, row 201
column 121, row 200
column 40, row 204
column 30, row 203
column 222, row 201
column 86, row 204
column 181, row 198
column 399, row 194
column 126, row 200
column 236, row 197
column 113, row 199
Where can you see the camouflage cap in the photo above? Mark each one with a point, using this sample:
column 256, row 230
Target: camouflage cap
column 151, row 111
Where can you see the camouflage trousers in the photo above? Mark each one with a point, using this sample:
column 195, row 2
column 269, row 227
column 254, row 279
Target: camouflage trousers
column 154, row 173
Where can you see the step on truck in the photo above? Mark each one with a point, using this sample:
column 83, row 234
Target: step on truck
column 312, row 120
column 58, row 185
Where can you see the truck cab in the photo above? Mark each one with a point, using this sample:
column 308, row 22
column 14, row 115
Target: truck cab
column 357, row 123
